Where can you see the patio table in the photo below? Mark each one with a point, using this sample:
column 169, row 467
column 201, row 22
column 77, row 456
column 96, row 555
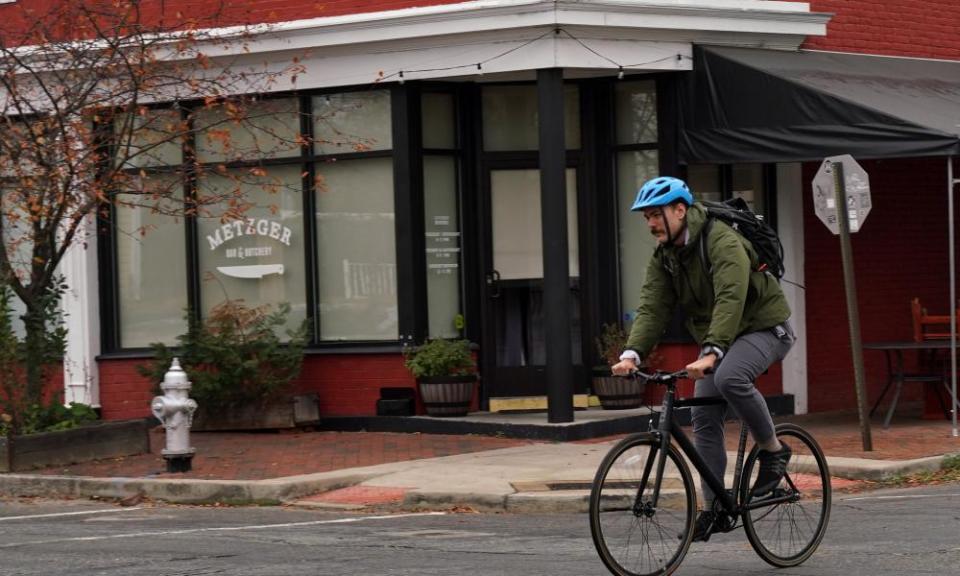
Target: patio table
column 896, row 376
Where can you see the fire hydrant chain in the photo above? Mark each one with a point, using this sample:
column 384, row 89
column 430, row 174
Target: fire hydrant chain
column 175, row 411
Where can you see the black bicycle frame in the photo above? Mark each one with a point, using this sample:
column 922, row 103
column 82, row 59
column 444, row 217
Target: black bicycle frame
column 666, row 430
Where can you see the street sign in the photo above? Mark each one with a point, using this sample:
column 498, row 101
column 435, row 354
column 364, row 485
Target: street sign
column 857, row 185
column 841, row 199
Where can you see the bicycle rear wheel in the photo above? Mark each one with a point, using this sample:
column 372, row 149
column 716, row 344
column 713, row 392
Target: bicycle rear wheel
column 633, row 537
column 787, row 533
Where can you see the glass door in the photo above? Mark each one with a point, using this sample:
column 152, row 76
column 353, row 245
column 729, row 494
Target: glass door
column 514, row 316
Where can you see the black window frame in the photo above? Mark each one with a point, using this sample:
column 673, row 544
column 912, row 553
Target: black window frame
column 407, row 153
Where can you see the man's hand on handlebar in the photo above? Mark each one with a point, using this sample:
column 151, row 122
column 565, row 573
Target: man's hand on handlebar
column 700, row 368
column 624, row 367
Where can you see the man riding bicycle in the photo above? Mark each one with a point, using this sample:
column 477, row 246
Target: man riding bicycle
column 735, row 311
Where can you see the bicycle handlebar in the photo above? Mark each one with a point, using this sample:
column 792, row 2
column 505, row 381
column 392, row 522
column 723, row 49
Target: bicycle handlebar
column 660, row 376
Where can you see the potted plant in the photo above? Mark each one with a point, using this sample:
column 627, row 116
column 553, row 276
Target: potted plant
column 614, row 393
column 446, row 375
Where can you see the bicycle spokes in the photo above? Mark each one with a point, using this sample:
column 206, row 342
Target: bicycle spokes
column 786, row 526
column 635, row 534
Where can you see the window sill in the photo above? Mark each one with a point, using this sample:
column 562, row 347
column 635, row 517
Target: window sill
column 316, row 350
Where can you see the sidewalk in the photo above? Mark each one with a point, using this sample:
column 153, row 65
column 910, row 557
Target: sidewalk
column 365, row 469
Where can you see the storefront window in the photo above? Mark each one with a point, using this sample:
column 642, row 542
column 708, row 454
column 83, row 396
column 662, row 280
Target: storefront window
column 637, row 161
column 152, row 280
column 250, row 241
column 356, row 250
column 704, row 182
column 256, row 256
column 721, row 181
column 265, row 129
column 352, row 122
column 153, row 138
column 636, row 112
column 511, row 118
column 442, row 227
column 19, row 249
column 439, row 128
column 747, row 183
column 636, row 242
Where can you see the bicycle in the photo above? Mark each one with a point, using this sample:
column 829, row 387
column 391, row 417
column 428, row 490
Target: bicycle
column 643, row 501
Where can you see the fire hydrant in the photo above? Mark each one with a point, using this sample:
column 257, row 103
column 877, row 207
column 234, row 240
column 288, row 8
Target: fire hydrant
column 175, row 411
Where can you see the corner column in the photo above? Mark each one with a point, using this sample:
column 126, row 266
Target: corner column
column 556, row 267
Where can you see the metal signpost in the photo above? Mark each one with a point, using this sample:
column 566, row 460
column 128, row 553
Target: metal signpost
column 841, row 199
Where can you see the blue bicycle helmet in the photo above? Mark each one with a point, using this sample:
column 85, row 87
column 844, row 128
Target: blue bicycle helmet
column 660, row 192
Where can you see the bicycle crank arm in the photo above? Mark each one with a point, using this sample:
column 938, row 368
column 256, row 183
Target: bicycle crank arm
column 770, row 501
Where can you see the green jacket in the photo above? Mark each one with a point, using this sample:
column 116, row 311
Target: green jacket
column 733, row 300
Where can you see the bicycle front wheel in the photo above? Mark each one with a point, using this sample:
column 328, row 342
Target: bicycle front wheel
column 633, row 536
column 788, row 532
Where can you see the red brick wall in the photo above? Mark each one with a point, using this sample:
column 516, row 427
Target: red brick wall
column 124, row 393
column 925, row 28
column 900, row 253
column 348, row 384
column 249, row 12
column 52, row 387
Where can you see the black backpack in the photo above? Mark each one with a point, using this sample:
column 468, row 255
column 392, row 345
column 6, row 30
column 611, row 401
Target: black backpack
column 736, row 214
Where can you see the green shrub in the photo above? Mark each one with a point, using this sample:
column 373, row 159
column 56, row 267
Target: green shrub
column 235, row 356
column 440, row 357
column 27, row 364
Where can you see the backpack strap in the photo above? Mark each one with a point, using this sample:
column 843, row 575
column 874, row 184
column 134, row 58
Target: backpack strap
column 704, row 255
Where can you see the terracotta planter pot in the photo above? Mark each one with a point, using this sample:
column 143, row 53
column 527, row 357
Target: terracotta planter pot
column 447, row 395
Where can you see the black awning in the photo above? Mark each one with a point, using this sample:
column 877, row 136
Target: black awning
column 752, row 105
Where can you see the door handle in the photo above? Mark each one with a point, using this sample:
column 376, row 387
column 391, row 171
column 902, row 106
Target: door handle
column 493, row 284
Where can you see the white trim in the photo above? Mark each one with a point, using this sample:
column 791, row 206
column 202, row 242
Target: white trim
column 790, row 192
column 784, row 24
column 81, row 306
column 452, row 59
column 363, row 48
column 639, row 35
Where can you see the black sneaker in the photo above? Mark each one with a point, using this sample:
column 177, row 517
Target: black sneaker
column 773, row 465
column 704, row 526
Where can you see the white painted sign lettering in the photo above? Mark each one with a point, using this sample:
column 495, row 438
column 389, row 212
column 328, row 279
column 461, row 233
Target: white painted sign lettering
column 249, row 227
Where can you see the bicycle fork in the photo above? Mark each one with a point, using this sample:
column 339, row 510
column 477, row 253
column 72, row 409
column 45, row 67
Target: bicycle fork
column 663, row 431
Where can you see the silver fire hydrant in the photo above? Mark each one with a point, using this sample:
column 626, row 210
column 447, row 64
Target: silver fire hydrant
column 175, row 411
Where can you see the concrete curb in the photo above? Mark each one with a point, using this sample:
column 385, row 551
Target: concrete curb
column 292, row 488
column 177, row 491
column 863, row 469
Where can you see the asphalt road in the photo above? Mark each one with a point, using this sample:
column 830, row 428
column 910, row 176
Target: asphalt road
column 895, row 532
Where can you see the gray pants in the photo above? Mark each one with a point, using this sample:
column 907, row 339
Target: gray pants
column 748, row 357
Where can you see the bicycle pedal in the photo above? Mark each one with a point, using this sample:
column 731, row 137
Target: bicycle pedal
column 723, row 523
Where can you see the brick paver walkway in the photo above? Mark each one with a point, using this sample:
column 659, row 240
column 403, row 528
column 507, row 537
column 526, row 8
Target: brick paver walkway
column 257, row 456
column 908, row 437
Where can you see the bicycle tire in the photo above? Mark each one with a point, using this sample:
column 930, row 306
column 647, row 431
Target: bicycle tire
column 787, row 534
column 641, row 542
